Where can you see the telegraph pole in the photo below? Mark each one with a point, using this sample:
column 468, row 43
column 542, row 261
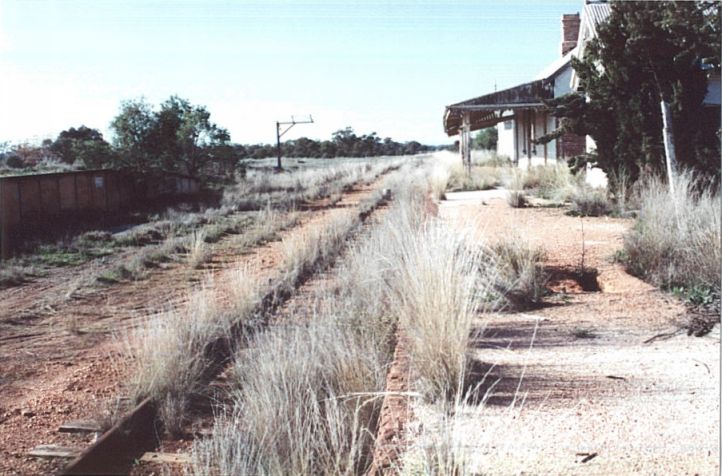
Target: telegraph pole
column 279, row 134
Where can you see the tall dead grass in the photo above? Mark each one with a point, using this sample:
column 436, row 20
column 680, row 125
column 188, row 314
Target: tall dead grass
column 308, row 395
column 437, row 288
column 552, row 182
column 168, row 350
column 676, row 238
column 591, row 202
column 198, row 253
column 303, row 404
column 520, row 277
column 484, row 174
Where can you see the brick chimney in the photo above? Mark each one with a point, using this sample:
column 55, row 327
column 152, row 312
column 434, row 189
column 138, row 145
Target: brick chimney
column 570, row 32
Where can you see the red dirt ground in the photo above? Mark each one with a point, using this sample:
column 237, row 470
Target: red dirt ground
column 59, row 361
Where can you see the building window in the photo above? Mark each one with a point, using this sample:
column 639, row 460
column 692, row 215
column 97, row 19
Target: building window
column 507, row 125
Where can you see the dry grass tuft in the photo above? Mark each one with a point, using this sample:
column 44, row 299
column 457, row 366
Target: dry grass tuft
column 436, row 290
column 517, row 199
column 305, row 411
column 676, row 239
column 199, row 253
column 553, row 182
column 521, row 279
column 484, row 176
column 317, row 247
column 439, row 178
column 590, row 202
column 14, row 275
column 168, row 350
column 438, row 451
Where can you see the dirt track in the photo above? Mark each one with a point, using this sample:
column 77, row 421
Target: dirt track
column 571, row 387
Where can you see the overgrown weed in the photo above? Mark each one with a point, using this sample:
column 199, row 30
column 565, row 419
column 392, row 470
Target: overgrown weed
column 675, row 241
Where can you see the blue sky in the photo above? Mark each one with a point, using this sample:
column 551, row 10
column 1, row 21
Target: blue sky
column 384, row 66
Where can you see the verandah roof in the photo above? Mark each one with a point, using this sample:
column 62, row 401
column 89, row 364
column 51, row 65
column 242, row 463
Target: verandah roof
column 487, row 110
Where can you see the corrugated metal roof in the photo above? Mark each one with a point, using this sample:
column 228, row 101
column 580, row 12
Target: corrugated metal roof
column 594, row 14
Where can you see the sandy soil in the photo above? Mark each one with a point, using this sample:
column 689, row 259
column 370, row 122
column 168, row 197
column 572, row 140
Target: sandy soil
column 58, row 359
column 571, row 388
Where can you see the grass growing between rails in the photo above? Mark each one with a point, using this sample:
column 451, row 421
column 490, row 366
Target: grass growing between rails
column 254, row 229
column 308, row 394
column 289, row 190
column 303, row 402
column 187, row 335
column 439, row 284
column 179, row 232
column 675, row 242
column 169, row 351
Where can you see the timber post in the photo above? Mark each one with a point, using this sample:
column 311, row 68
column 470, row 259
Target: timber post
column 465, row 142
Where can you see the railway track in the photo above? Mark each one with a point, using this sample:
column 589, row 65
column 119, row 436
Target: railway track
column 73, row 376
column 138, row 432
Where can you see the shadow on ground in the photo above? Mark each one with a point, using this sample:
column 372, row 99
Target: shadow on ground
column 504, row 384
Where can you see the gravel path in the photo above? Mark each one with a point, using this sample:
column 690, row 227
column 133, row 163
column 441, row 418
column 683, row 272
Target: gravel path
column 571, row 387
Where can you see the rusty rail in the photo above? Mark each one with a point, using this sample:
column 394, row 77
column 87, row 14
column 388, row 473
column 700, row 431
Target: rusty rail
column 114, row 452
column 139, row 431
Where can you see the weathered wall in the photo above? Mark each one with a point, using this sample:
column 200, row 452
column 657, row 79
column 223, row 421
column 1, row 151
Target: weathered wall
column 30, row 201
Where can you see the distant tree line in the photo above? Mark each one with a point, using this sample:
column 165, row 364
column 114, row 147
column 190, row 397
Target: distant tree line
column 343, row 143
column 179, row 138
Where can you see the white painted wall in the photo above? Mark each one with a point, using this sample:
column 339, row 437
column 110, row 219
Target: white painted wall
column 505, row 144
